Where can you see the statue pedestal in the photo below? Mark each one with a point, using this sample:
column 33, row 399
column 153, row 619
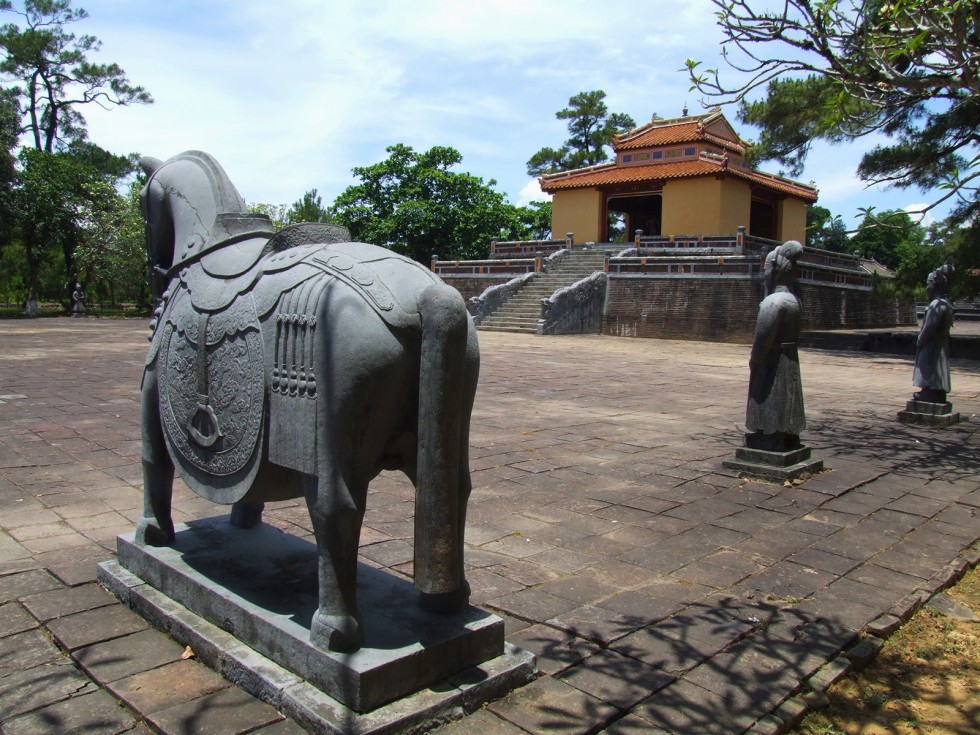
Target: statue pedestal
column 773, row 466
column 243, row 600
column 928, row 414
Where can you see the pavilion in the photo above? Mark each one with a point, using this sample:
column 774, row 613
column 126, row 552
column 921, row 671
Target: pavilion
column 682, row 176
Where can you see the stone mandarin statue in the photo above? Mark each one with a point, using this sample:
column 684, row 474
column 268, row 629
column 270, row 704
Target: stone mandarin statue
column 774, row 415
column 78, row 301
column 932, row 347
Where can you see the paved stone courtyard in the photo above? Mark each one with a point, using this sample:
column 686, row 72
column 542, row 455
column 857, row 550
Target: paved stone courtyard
column 660, row 593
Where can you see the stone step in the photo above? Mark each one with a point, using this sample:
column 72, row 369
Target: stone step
column 510, row 320
column 521, row 312
column 526, row 330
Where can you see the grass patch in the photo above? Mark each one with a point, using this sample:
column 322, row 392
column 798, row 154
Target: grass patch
column 924, row 681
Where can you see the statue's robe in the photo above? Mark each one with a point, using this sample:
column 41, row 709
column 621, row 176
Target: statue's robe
column 932, row 347
column 775, row 403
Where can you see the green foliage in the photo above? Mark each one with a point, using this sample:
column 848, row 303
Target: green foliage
column 9, row 117
column 416, row 205
column 533, row 222
column 110, row 258
column 13, row 287
column 13, row 276
column 50, row 70
column 51, row 202
column 958, row 244
column 275, row 212
column 113, row 167
column 308, row 209
column 889, row 237
column 61, row 200
column 826, row 231
column 794, row 113
column 832, row 69
column 591, row 128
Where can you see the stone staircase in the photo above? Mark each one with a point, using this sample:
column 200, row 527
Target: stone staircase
column 521, row 312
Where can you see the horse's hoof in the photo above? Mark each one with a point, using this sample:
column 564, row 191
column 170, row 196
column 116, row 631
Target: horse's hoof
column 246, row 515
column 340, row 633
column 148, row 533
column 445, row 603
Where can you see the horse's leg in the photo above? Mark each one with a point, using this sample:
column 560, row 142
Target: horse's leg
column 471, row 378
column 445, row 398
column 336, row 513
column 156, row 527
column 246, row 515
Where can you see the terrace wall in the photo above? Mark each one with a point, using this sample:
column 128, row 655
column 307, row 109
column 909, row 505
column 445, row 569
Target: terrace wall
column 725, row 309
column 474, row 285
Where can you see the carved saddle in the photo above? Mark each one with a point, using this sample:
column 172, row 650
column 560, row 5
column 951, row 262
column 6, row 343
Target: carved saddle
column 220, row 372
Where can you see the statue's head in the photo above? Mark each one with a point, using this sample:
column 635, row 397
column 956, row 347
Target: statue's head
column 785, row 259
column 938, row 281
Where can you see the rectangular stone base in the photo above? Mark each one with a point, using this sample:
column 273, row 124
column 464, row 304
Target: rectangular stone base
column 260, row 585
column 773, row 466
column 928, row 414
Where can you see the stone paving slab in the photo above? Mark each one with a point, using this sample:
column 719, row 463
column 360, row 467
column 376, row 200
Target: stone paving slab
column 660, row 592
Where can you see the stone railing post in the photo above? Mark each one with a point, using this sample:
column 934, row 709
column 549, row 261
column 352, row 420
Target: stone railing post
column 740, row 239
column 432, row 264
column 636, row 237
column 569, row 239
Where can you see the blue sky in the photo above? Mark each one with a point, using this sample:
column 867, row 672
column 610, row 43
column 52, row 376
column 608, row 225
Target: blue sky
column 290, row 95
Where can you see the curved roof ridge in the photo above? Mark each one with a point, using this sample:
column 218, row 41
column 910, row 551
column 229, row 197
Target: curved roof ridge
column 687, row 129
column 576, row 171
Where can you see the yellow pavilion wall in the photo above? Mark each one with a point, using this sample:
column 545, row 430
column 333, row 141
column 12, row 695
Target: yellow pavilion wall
column 576, row 211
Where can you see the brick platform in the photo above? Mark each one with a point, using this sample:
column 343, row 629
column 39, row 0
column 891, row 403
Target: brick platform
column 660, row 592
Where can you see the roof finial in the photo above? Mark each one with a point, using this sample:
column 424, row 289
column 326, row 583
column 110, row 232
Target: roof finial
column 684, row 111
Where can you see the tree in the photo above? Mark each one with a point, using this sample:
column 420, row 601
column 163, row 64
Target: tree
column 891, row 244
column 52, row 75
column 794, row 113
column 275, row 212
column 416, row 205
column 533, row 222
column 946, row 241
column 591, row 128
column 46, row 73
column 50, row 200
column 826, row 231
column 308, row 209
column 111, row 255
column 8, row 172
column 907, row 69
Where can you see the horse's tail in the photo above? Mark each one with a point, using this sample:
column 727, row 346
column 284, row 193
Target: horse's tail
column 446, row 386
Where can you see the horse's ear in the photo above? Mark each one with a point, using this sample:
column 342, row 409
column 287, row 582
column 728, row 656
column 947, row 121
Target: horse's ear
column 150, row 164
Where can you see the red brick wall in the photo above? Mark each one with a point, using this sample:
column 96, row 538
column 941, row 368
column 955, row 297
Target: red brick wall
column 724, row 310
column 470, row 286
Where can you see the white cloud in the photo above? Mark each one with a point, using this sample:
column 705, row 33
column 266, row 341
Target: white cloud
column 918, row 214
column 291, row 95
column 532, row 193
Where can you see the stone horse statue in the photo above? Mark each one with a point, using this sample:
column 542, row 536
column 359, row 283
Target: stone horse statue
column 299, row 364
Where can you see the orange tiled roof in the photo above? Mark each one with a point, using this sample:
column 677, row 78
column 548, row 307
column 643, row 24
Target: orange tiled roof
column 693, row 129
column 611, row 175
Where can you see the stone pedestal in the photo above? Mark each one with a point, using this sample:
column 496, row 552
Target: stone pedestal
column 773, row 466
column 928, row 414
column 243, row 600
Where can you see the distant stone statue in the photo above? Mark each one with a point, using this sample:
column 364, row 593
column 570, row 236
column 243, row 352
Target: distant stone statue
column 78, row 301
column 774, row 415
column 932, row 348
